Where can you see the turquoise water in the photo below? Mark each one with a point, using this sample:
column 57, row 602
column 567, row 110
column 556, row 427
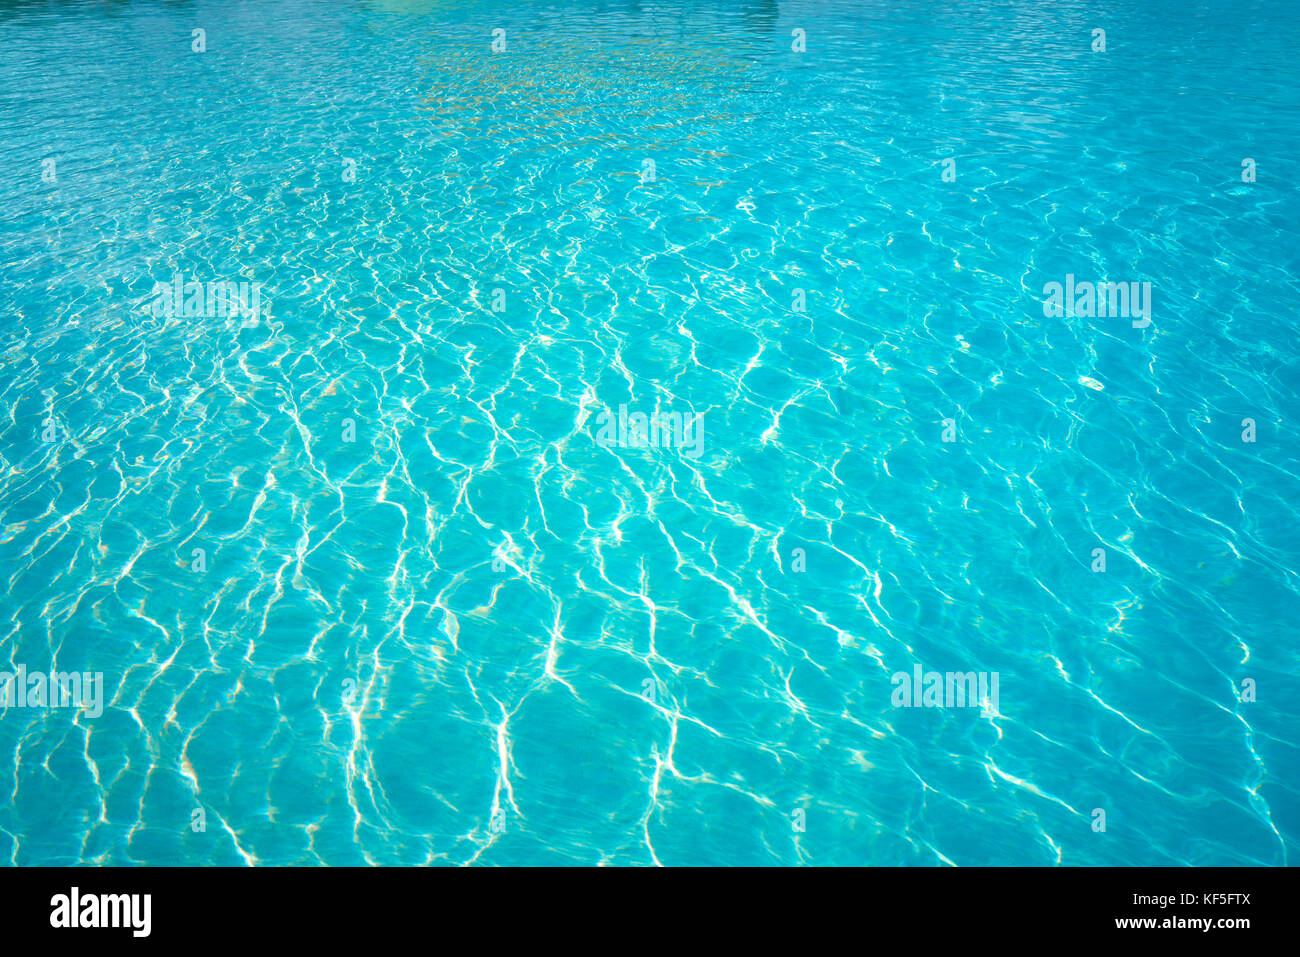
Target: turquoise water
column 374, row 571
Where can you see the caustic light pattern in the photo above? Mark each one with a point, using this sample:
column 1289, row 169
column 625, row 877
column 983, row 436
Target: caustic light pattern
column 649, row 433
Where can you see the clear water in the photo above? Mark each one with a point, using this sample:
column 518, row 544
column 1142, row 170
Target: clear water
column 436, row 617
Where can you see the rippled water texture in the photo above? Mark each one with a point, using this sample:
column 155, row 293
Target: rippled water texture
column 367, row 579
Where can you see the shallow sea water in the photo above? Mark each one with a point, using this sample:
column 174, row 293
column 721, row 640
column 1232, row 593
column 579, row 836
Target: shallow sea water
column 434, row 617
